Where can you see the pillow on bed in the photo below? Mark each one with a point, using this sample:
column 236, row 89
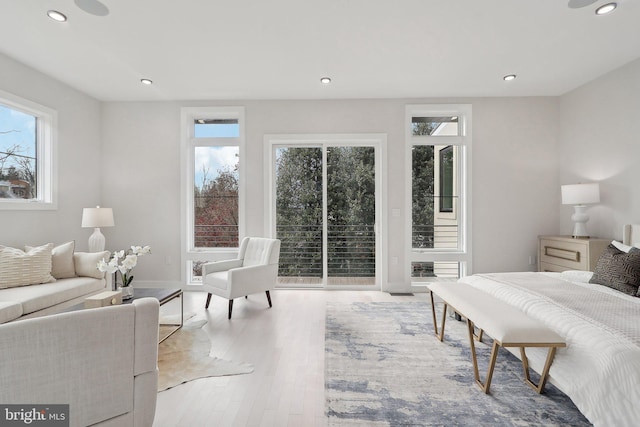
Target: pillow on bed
column 618, row 270
column 621, row 246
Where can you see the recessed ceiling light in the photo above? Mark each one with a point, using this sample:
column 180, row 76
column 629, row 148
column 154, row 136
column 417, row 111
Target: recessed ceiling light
column 325, row 80
column 146, row 81
column 56, row 16
column 509, row 77
column 606, row 8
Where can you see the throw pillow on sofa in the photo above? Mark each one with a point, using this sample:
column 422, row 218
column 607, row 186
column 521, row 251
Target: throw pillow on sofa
column 87, row 263
column 62, row 265
column 20, row 268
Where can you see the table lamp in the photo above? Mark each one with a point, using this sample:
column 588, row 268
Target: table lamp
column 97, row 217
column 579, row 195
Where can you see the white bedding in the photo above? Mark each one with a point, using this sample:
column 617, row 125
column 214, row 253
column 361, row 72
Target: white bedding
column 600, row 367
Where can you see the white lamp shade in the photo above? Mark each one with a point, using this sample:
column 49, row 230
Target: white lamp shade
column 580, row 194
column 97, row 217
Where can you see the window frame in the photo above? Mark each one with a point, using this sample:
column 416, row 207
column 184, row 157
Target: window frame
column 462, row 178
column 189, row 142
column 46, row 154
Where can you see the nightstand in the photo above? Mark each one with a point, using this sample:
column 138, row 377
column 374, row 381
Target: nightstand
column 560, row 253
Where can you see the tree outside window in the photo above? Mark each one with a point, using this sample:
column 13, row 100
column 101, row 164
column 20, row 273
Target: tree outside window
column 18, row 150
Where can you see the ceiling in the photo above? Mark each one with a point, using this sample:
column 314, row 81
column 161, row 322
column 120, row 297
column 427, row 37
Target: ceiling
column 279, row 49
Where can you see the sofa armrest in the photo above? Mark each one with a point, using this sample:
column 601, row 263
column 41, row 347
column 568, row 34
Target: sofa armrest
column 224, row 265
column 146, row 335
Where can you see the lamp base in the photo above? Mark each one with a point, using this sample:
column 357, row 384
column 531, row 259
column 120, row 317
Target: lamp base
column 580, row 219
column 96, row 241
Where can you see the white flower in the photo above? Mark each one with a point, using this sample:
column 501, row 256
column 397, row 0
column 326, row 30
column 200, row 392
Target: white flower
column 139, row 250
column 123, row 261
column 109, row 267
column 130, row 261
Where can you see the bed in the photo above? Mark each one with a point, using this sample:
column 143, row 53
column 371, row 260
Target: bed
column 600, row 367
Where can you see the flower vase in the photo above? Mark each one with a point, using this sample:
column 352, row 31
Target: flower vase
column 127, row 292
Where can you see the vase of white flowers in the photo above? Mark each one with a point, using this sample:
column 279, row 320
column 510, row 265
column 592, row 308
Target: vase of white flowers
column 123, row 262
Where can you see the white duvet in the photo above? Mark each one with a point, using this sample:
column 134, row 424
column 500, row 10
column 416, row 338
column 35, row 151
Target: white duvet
column 600, row 367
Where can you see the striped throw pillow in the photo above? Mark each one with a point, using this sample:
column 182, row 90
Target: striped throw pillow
column 19, row 268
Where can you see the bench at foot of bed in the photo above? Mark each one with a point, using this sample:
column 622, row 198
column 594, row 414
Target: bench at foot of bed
column 507, row 325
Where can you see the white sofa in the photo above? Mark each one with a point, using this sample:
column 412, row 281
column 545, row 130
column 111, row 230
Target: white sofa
column 46, row 279
column 101, row 362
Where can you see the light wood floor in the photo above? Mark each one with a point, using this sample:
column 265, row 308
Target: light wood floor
column 286, row 346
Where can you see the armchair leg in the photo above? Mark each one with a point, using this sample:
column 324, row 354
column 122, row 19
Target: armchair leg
column 208, row 301
column 230, row 307
column 269, row 298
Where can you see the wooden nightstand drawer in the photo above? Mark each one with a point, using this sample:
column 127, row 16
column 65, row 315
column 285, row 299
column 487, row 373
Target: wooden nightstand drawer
column 565, row 254
column 559, row 253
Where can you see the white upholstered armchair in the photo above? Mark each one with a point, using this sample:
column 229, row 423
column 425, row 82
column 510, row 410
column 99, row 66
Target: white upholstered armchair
column 255, row 270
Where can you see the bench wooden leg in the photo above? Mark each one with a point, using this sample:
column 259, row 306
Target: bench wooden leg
column 545, row 371
column 492, row 360
column 440, row 336
column 433, row 314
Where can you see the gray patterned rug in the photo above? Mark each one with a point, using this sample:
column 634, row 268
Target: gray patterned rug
column 385, row 367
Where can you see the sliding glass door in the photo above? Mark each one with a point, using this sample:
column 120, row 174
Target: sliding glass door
column 299, row 214
column 351, row 216
column 325, row 212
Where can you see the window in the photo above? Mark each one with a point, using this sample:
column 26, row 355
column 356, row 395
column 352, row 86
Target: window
column 26, row 154
column 446, row 179
column 438, row 155
column 213, row 142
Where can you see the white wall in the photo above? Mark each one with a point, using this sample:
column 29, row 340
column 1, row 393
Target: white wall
column 600, row 142
column 79, row 163
column 514, row 172
column 515, row 177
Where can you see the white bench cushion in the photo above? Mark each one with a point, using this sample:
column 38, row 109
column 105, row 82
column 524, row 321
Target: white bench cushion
column 501, row 321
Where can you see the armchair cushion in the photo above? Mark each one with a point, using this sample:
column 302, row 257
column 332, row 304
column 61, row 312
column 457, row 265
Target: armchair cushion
column 218, row 280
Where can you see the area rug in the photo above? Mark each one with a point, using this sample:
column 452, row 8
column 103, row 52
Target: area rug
column 184, row 356
column 385, row 367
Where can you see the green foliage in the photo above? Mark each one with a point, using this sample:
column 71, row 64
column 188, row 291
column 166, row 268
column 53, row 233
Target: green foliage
column 422, row 196
column 350, row 211
column 299, row 208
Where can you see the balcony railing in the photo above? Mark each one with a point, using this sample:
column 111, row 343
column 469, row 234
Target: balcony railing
column 216, row 236
column 351, row 251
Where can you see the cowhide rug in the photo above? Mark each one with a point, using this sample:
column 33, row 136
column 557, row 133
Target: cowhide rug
column 184, row 356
